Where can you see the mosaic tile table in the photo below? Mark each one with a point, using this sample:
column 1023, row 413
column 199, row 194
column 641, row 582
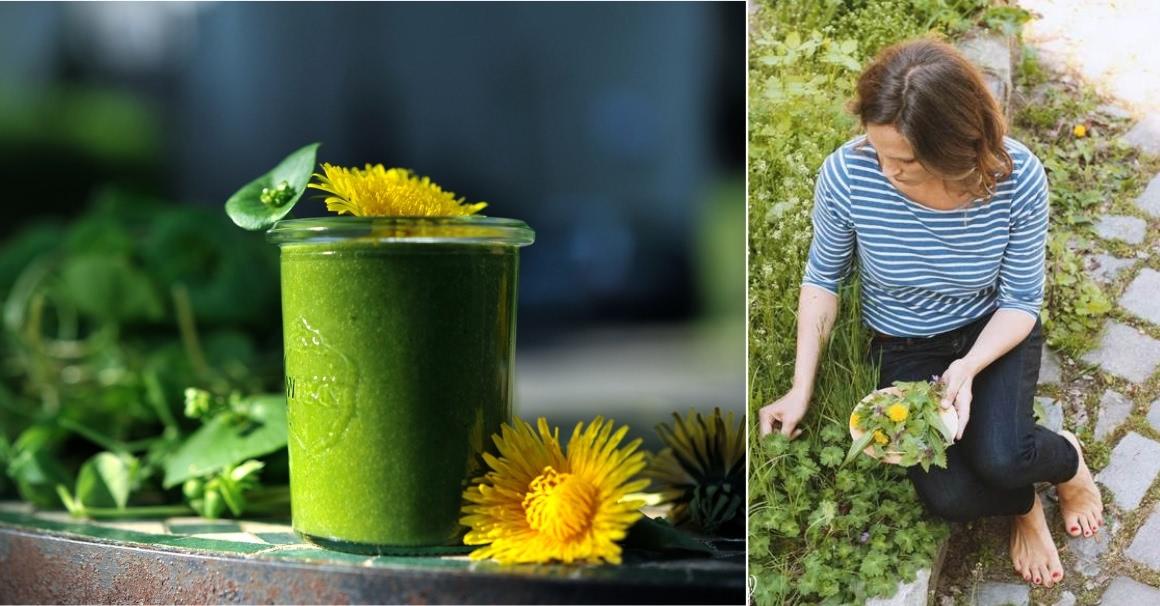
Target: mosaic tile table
column 48, row 557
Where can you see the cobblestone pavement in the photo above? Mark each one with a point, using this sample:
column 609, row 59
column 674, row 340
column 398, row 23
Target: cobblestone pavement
column 1111, row 394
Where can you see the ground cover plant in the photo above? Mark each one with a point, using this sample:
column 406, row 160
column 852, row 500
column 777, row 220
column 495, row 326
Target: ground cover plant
column 820, row 532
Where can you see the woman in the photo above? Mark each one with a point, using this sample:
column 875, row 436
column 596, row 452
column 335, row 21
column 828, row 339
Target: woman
column 948, row 220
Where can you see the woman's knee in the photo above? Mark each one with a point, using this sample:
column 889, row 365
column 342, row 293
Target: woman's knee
column 1003, row 467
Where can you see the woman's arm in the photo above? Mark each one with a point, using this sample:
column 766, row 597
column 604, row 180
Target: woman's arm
column 829, row 263
column 1006, row 329
column 1022, row 275
column 817, row 309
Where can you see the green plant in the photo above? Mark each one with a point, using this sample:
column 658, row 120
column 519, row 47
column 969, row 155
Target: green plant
column 105, row 321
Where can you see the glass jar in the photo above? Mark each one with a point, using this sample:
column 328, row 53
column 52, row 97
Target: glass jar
column 399, row 353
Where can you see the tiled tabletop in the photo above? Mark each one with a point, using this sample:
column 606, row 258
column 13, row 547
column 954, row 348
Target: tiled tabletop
column 264, row 561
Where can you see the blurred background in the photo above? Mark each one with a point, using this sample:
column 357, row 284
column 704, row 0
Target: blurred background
column 615, row 130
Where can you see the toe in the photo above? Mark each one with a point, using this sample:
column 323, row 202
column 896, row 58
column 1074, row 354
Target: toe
column 1052, row 575
column 1071, row 521
column 1085, row 525
column 1093, row 522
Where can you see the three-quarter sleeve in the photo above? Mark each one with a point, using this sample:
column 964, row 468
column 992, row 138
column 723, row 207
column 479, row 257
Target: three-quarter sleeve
column 832, row 247
column 1022, row 270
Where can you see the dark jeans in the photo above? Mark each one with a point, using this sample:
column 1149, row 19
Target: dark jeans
column 992, row 469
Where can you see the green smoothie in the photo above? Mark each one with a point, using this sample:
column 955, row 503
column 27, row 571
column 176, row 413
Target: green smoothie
column 399, row 350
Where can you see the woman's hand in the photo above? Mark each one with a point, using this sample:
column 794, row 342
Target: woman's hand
column 788, row 411
column 957, row 379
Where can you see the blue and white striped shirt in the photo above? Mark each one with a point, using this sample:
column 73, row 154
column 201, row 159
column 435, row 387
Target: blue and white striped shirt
column 927, row 271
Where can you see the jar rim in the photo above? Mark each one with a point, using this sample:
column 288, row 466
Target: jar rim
column 468, row 229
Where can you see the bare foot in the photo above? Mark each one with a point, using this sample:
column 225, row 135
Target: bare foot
column 1032, row 550
column 1079, row 498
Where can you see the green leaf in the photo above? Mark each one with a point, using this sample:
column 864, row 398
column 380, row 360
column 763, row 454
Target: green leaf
column 935, row 421
column 229, row 439
column 658, row 535
column 858, row 446
column 831, row 456
column 246, row 208
column 106, row 480
column 34, row 468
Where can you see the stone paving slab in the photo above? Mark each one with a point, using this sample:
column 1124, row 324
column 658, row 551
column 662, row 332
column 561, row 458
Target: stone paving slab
column 1145, row 135
column 1145, row 548
column 1129, row 592
column 992, row 54
column 1149, row 201
column 1002, row 594
column 1134, row 463
column 1154, row 415
column 1112, row 110
column 1105, row 268
column 1114, row 410
column 1126, row 353
column 1088, row 550
column 1050, row 371
column 1052, row 413
column 1143, row 296
column 1121, row 227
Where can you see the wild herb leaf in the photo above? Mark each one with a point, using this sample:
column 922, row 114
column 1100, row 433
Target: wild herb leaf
column 858, row 446
column 263, row 201
column 229, row 439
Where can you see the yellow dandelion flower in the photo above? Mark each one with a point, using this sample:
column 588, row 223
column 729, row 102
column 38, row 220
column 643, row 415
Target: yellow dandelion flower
column 538, row 504
column 702, row 472
column 880, row 437
column 897, row 412
column 855, row 420
column 375, row 191
column 1080, row 131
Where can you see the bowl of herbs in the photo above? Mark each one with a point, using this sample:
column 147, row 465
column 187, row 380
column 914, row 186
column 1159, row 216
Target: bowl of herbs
column 904, row 424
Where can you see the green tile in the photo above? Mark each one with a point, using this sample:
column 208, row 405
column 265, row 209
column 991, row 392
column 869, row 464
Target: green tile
column 78, row 527
column 214, row 545
column 279, row 538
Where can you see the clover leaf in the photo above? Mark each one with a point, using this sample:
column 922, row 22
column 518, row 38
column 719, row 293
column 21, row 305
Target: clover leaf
column 265, row 200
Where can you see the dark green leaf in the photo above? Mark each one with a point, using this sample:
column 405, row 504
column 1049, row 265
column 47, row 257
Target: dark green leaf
column 858, row 446
column 658, row 535
column 229, row 439
column 246, row 208
column 935, row 421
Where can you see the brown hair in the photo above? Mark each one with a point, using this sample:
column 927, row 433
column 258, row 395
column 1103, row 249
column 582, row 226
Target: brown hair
column 939, row 102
